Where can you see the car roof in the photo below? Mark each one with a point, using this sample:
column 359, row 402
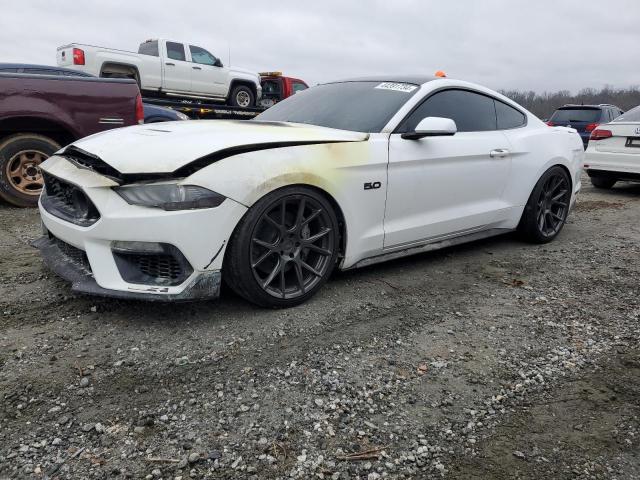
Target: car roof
column 415, row 79
column 44, row 67
column 589, row 107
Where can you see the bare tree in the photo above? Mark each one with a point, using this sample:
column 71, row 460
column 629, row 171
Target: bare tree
column 544, row 104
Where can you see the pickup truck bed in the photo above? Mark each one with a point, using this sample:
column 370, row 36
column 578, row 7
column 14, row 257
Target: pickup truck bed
column 41, row 113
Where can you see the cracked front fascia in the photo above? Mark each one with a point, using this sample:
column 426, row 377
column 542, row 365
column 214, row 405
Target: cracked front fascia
column 63, row 168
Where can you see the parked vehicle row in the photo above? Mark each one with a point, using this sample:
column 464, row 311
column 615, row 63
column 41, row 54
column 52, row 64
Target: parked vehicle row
column 167, row 68
column 341, row 175
column 614, row 151
column 584, row 118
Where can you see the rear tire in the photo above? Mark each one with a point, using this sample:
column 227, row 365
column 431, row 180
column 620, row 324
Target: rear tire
column 242, row 96
column 547, row 209
column 284, row 249
column 602, row 182
column 20, row 175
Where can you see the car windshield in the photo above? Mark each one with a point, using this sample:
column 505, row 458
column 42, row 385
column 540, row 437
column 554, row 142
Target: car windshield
column 632, row 115
column 356, row 106
column 576, row 115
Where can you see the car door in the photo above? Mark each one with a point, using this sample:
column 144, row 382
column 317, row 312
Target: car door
column 177, row 70
column 444, row 186
column 208, row 76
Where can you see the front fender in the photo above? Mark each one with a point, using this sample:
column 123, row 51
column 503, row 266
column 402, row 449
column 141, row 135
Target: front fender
column 339, row 169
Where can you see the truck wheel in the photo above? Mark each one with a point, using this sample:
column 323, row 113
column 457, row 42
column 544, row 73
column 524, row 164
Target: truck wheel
column 242, row 96
column 20, row 158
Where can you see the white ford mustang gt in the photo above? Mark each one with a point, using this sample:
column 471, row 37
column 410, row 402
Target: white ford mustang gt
column 344, row 174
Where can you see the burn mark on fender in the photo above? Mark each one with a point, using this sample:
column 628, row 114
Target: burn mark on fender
column 207, row 160
column 215, row 256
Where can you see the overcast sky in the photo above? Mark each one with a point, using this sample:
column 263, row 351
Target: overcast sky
column 522, row 44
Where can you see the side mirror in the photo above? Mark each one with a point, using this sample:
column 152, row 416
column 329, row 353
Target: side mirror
column 432, row 127
column 218, row 63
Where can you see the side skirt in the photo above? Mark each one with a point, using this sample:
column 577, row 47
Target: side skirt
column 428, row 247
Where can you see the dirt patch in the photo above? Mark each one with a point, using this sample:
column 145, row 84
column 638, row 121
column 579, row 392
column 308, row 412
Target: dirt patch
column 587, row 205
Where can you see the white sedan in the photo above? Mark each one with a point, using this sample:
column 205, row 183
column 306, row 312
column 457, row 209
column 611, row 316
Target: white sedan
column 613, row 153
column 345, row 174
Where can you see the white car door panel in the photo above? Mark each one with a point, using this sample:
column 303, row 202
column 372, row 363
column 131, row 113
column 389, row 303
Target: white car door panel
column 441, row 186
column 206, row 78
column 177, row 70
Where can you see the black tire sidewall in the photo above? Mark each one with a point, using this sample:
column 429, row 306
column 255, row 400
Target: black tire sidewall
column 244, row 88
column 8, row 148
column 237, row 270
column 528, row 226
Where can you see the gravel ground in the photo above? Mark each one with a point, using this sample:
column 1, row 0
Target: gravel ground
column 496, row 359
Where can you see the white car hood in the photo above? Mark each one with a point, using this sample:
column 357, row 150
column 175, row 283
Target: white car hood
column 165, row 147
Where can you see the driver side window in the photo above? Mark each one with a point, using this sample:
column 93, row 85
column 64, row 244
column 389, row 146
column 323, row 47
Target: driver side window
column 471, row 111
column 201, row 56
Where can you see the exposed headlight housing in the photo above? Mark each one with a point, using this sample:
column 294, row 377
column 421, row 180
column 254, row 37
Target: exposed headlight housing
column 169, row 196
column 182, row 116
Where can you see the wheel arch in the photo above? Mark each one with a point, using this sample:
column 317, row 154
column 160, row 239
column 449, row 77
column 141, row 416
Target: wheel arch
column 57, row 131
column 324, row 192
column 247, row 83
column 123, row 67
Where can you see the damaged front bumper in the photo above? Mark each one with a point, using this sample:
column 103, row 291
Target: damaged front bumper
column 72, row 264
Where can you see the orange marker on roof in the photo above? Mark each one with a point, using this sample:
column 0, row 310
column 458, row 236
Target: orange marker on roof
column 440, row 74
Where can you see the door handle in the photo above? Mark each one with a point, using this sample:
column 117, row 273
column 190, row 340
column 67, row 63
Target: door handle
column 169, row 63
column 499, row 153
column 196, row 68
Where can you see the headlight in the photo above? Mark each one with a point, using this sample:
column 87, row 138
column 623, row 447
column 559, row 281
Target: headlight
column 169, row 196
column 182, row 116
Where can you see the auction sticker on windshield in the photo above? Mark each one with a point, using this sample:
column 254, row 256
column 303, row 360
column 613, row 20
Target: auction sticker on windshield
column 398, row 87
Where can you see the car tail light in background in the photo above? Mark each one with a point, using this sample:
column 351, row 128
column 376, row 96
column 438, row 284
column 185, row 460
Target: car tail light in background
column 78, row 56
column 591, row 127
column 600, row 134
column 551, row 124
column 139, row 109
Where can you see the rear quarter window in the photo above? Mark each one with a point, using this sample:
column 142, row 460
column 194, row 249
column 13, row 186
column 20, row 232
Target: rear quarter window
column 508, row 117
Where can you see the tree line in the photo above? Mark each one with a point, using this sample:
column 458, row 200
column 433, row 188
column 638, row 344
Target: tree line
column 544, row 104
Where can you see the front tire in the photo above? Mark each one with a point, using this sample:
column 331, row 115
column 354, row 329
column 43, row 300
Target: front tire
column 20, row 158
column 601, row 182
column 242, row 96
column 284, row 249
column 547, row 208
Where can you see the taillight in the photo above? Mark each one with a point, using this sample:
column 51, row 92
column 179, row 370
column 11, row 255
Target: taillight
column 550, row 123
column 78, row 56
column 591, row 127
column 139, row 109
column 600, row 134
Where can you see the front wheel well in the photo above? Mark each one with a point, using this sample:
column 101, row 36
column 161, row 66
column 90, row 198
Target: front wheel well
column 37, row 125
column 342, row 224
column 246, row 83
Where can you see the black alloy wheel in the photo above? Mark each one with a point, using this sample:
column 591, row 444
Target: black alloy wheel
column 289, row 242
column 548, row 206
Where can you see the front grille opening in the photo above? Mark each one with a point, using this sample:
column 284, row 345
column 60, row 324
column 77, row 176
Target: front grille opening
column 168, row 268
column 68, row 202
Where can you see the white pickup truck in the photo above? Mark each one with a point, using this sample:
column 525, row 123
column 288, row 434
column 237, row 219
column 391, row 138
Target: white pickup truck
column 165, row 67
